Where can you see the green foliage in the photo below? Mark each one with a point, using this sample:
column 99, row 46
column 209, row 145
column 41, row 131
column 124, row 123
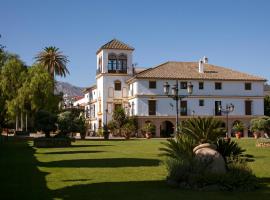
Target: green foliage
column 119, row 117
column 149, row 128
column 229, row 149
column 112, row 127
column 128, row 128
column 186, row 171
column 45, row 121
column 12, row 76
column 260, row 124
column 53, row 61
column 239, row 127
column 71, row 121
column 180, row 148
column 267, row 105
column 203, row 130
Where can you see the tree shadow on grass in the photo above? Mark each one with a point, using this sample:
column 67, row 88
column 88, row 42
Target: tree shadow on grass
column 104, row 163
column 90, row 145
column 154, row 190
column 71, row 152
column 19, row 176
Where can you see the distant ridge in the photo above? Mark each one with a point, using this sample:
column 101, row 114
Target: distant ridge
column 68, row 89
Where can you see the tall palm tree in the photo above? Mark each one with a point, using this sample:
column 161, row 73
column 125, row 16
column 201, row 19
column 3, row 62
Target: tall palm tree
column 53, row 61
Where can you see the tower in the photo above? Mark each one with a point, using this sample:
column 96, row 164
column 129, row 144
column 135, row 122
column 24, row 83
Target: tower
column 114, row 67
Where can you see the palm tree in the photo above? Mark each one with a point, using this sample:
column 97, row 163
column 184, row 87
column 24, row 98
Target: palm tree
column 53, row 61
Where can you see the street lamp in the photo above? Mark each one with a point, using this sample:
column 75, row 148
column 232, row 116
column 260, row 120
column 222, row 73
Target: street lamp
column 228, row 109
column 175, row 96
column 106, row 117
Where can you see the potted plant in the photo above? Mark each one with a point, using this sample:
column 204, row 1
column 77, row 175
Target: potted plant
column 257, row 125
column 128, row 128
column 238, row 128
column 149, row 129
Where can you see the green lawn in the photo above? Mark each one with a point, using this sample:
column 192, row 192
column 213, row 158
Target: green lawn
column 96, row 170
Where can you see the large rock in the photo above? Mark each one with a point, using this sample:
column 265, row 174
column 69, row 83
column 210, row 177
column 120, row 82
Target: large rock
column 207, row 153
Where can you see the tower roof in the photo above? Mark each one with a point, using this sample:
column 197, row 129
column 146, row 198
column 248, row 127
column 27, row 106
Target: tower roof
column 115, row 44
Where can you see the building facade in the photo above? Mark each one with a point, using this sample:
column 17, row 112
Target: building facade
column 140, row 92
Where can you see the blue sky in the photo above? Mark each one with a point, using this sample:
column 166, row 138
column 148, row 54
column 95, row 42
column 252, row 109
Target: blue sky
column 231, row 33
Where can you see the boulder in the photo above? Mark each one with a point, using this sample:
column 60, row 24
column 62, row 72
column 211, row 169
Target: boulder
column 207, row 153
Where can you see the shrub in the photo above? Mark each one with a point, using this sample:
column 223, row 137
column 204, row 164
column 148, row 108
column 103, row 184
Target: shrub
column 239, row 127
column 71, row 121
column 260, row 124
column 186, row 171
column 203, row 130
column 229, row 149
column 45, row 122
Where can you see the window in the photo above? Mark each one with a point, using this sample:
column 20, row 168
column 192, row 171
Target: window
column 152, row 107
column 122, row 62
column 117, row 85
column 112, row 62
column 201, row 85
column 201, row 102
column 247, row 86
column 248, row 104
column 117, row 64
column 183, row 108
column 217, row 106
column 218, row 86
column 183, row 85
column 152, row 84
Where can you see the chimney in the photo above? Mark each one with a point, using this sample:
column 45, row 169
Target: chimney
column 201, row 66
column 205, row 60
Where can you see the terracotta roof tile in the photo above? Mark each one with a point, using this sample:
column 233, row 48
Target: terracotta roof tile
column 189, row 70
column 115, row 44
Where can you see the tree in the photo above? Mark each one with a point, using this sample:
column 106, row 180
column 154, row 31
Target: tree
column 45, row 121
column 12, row 76
column 119, row 117
column 267, row 105
column 71, row 121
column 53, row 61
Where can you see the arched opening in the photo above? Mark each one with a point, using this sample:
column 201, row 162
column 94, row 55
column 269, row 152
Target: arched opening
column 112, row 63
column 167, row 129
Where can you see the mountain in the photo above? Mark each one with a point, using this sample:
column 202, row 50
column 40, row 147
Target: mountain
column 68, row 89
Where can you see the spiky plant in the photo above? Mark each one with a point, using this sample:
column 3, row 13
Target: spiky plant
column 229, row 149
column 203, row 130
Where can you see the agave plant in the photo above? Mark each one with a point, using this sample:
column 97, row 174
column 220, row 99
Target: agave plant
column 203, row 130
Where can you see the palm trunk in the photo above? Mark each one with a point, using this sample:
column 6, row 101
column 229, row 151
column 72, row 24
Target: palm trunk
column 22, row 125
column 17, row 122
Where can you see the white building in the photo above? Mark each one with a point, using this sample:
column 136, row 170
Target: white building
column 140, row 92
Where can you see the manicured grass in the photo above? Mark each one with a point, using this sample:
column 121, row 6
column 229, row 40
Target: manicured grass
column 106, row 170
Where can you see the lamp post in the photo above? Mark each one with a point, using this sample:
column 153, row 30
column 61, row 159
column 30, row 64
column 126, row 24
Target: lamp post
column 106, row 117
column 175, row 96
column 228, row 109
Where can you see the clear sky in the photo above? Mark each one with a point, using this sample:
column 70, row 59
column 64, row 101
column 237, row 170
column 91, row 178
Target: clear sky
column 231, row 33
